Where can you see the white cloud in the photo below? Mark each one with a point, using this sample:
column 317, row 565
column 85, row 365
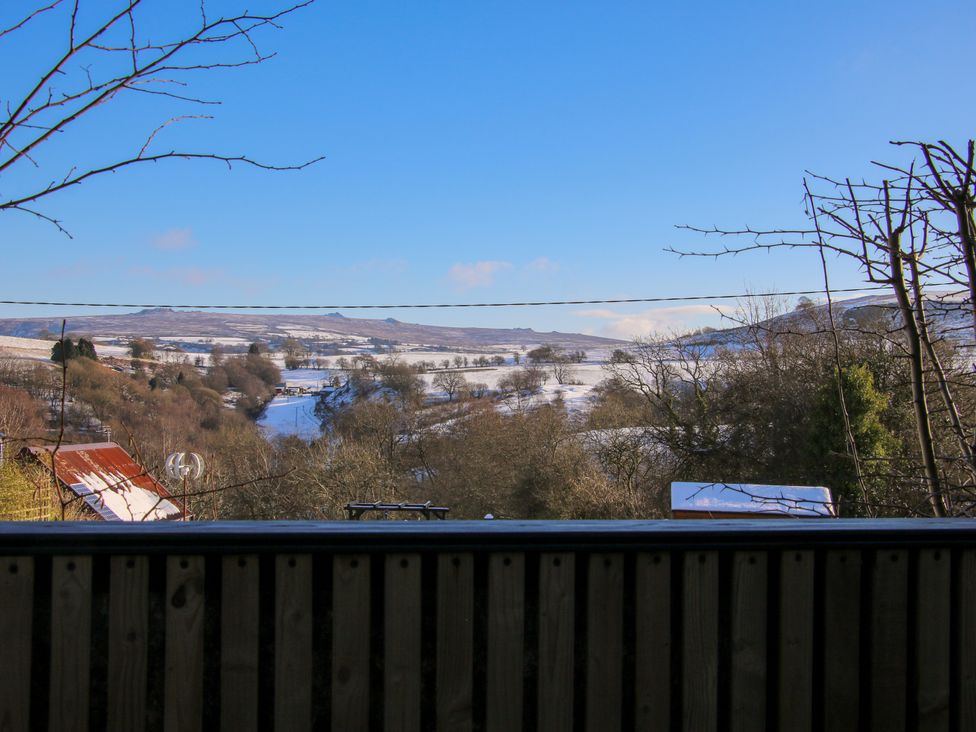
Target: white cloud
column 627, row 326
column 476, row 274
column 174, row 240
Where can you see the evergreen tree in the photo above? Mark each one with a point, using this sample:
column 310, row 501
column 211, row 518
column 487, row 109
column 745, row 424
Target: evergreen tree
column 86, row 349
column 65, row 352
column 828, row 440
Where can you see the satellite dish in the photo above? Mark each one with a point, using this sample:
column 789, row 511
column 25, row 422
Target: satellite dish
column 184, row 466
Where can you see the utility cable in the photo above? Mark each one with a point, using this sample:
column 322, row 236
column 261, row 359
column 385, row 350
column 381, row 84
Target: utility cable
column 611, row 301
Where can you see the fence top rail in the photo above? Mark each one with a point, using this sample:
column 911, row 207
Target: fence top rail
column 235, row 537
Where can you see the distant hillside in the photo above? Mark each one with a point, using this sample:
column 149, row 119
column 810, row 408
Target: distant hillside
column 950, row 317
column 176, row 325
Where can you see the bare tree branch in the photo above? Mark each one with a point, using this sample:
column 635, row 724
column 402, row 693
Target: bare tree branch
column 87, row 75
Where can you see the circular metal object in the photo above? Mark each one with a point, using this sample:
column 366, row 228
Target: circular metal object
column 180, row 465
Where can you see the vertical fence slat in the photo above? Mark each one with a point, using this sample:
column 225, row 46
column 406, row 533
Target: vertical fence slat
column 556, row 639
column 455, row 641
column 604, row 645
column 893, row 698
column 796, row 640
column 184, row 644
column 889, row 621
column 239, row 620
column 293, row 642
column 749, row 613
column 128, row 643
column 16, row 620
column 932, row 643
column 842, row 640
column 71, row 603
column 652, row 655
column 506, row 635
column 350, row 644
column 967, row 639
column 700, row 642
column 401, row 636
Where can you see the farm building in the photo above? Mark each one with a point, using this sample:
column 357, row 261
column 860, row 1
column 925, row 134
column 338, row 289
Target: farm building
column 747, row 500
column 111, row 484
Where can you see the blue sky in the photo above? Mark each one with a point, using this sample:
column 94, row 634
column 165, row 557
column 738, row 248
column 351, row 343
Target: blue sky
column 483, row 151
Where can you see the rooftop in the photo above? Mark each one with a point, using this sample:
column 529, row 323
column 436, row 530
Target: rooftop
column 109, row 481
column 751, row 498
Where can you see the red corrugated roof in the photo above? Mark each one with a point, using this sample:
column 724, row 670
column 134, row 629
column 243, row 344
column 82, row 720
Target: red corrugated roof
column 103, row 467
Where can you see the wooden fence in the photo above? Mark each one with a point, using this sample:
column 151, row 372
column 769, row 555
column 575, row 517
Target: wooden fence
column 792, row 625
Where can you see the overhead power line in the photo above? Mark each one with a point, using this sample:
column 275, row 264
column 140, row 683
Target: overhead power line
column 609, row 301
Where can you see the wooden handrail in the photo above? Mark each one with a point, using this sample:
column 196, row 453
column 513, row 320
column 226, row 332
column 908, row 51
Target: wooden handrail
column 496, row 625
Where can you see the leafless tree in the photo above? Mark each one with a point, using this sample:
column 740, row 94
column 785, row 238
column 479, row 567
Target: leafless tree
column 913, row 233
column 112, row 51
column 20, row 415
column 451, row 383
column 522, row 383
column 562, row 370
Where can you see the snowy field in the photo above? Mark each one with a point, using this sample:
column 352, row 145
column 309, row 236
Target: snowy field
column 294, row 415
column 35, row 349
column 575, row 397
column 588, row 374
column 291, row 415
column 206, row 340
column 309, row 378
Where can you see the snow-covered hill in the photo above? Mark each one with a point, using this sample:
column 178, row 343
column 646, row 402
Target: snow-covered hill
column 948, row 316
column 196, row 330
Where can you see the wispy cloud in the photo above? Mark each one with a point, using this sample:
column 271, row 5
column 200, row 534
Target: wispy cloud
column 192, row 276
column 542, row 265
column 174, row 240
column 658, row 320
column 214, row 278
column 87, row 267
column 476, row 274
column 597, row 313
column 377, row 264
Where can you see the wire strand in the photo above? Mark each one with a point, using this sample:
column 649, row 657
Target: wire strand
column 610, row 301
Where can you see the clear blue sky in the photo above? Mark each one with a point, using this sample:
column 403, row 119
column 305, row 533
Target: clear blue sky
column 487, row 151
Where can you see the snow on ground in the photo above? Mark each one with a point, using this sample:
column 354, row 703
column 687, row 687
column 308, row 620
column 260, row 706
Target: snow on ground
column 215, row 340
column 575, row 397
column 588, row 374
column 312, row 378
column 105, row 349
column 28, row 348
column 281, row 417
column 321, row 335
column 292, row 415
column 412, row 357
column 35, row 349
column 295, row 415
